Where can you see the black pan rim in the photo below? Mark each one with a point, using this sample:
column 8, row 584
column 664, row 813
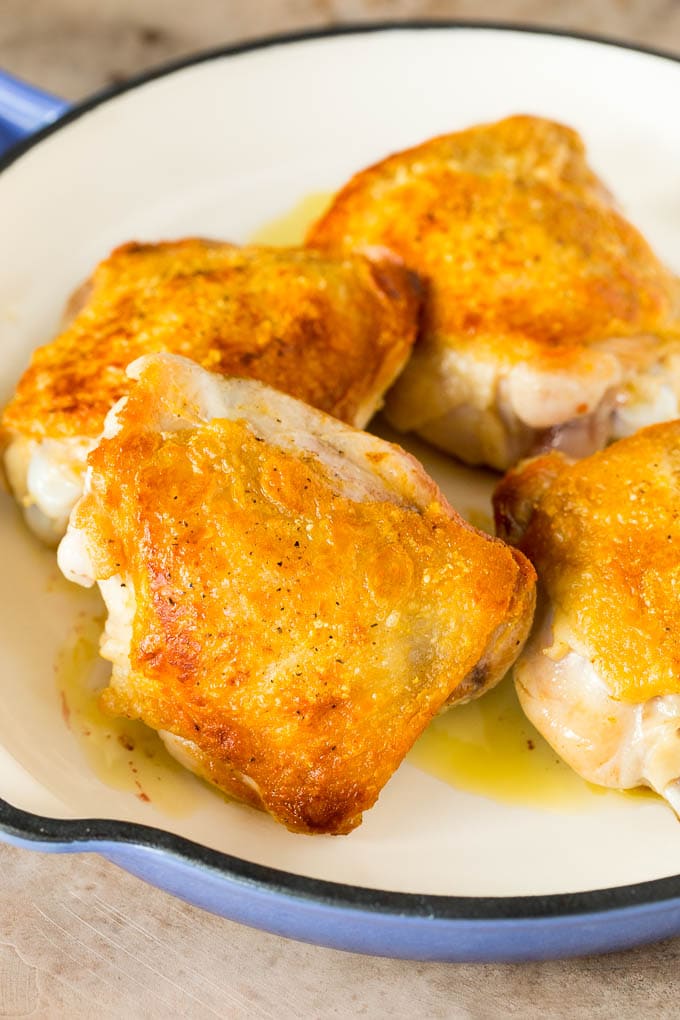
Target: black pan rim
column 309, row 35
column 102, row 835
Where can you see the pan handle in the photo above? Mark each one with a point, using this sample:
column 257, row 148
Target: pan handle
column 24, row 109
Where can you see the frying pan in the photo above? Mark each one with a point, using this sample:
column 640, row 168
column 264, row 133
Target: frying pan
column 219, row 145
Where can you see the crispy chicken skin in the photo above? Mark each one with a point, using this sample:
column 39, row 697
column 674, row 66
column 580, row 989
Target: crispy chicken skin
column 333, row 331
column 600, row 675
column 548, row 320
column 290, row 600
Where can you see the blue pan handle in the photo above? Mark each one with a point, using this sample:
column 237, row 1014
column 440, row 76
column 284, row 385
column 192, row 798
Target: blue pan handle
column 24, row 109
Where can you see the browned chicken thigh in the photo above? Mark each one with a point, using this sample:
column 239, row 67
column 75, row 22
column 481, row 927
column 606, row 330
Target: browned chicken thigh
column 600, row 674
column 290, row 600
column 548, row 320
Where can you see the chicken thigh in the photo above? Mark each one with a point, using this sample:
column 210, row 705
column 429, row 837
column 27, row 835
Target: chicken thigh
column 548, row 320
column 290, row 600
column 600, row 674
column 331, row 331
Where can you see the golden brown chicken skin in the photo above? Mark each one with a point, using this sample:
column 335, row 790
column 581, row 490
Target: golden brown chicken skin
column 548, row 321
column 291, row 600
column 333, row 331
column 600, row 676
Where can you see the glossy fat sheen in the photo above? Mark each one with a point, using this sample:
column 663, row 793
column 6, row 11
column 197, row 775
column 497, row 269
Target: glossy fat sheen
column 306, row 600
column 604, row 536
column 526, row 262
column 331, row 331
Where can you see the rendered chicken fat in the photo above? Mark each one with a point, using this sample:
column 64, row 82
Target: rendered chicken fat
column 290, row 600
column 46, row 476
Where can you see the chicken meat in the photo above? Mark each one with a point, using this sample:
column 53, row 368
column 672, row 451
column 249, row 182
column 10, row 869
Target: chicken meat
column 600, row 674
column 548, row 320
column 290, row 600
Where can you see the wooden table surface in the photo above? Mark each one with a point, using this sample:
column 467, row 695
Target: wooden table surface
column 78, row 936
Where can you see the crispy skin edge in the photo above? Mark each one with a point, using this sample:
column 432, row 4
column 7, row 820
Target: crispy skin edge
column 395, row 282
column 519, row 493
column 331, row 221
column 506, row 644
